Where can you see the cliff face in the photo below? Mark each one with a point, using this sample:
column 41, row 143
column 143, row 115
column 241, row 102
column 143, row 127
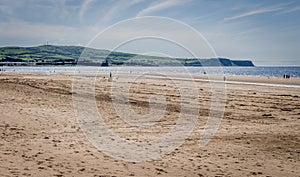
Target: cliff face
column 242, row 63
column 219, row 62
column 53, row 55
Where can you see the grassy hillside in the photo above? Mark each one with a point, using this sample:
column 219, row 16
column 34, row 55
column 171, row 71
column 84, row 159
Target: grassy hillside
column 64, row 54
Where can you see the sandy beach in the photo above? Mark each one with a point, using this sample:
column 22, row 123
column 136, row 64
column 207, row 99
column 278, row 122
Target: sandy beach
column 40, row 135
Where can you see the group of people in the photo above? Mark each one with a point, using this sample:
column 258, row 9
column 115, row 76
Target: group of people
column 286, row 76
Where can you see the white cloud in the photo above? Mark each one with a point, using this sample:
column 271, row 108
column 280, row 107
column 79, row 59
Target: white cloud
column 160, row 6
column 84, row 7
column 254, row 12
column 292, row 10
column 118, row 7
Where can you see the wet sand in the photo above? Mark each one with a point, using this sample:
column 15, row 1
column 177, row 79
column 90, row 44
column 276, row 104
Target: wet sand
column 40, row 135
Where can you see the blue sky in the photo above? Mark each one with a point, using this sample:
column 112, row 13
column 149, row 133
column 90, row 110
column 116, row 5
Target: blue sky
column 265, row 31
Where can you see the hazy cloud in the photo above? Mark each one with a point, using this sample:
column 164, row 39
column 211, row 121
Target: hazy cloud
column 118, row 7
column 84, row 7
column 253, row 12
column 37, row 34
column 160, row 6
column 290, row 10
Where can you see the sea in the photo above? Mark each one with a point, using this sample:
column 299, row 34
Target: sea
column 277, row 72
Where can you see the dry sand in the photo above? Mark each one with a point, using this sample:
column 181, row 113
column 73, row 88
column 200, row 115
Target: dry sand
column 258, row 136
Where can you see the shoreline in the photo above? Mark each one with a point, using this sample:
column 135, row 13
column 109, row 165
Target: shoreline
column 229, row 79
column 241, row 80
column 152, row 70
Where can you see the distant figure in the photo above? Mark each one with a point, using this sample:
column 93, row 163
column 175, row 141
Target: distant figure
column 204, row 72
column 110, row 75
column 286, row 76
column 224, row 78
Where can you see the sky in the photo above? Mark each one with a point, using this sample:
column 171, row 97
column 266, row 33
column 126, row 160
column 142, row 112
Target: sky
column 264, row 31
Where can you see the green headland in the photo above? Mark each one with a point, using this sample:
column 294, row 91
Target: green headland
column 72, row 55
